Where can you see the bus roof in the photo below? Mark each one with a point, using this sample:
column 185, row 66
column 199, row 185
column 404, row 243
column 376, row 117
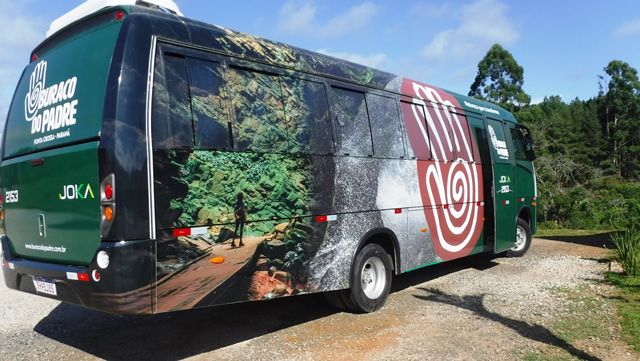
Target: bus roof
column 250, row 47
column 90, row 7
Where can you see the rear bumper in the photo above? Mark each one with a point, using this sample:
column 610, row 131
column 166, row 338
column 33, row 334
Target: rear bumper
column 126, row 286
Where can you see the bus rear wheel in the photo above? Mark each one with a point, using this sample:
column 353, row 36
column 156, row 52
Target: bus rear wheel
column 523, row 239
column 370, row 282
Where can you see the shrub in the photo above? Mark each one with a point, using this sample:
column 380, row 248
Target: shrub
column 628, row 251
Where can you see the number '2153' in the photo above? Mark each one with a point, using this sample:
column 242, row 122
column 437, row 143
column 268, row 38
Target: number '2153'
column 11, row 197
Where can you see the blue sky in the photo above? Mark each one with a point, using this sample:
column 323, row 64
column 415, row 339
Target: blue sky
column 562, row 45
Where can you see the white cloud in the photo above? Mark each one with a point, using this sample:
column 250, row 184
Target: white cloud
column 295, row 17
column 481, row 24
column 432, row 10
column 630, row 28
column 19, row 34
column 372, row 60
column 301, row 18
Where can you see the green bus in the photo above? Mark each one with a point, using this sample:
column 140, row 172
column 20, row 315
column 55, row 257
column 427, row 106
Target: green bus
column 153, row 163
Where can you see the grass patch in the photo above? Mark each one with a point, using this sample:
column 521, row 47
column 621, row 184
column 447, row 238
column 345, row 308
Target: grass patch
column 563, row 232
column 584, row 317
column 628, row 306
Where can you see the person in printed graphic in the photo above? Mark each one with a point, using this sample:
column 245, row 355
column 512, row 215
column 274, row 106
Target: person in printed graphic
column 240, row 213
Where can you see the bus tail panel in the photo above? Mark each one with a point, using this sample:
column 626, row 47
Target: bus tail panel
column 53, row 213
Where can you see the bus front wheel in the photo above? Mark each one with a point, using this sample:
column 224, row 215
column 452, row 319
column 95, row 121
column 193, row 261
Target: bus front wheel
column 523, row 239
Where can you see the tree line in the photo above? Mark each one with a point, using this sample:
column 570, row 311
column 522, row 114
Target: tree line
column 588, row 151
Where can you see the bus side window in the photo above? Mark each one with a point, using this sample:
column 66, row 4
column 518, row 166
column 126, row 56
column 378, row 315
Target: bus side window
column 307, row 114
column 353, row 133
column 524, row 136
column 172, row 127
column 518, row 144
column 209, row 119
column 385, row 126
column 259, row 111
column 417, row 130
column 462, row 137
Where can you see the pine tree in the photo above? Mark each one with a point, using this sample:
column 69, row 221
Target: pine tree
column 500, row 79
column 619, row 111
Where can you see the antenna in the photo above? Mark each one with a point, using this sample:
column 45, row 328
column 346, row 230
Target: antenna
column 91, row 6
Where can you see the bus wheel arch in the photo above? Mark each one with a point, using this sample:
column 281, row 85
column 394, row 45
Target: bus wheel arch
column 386, row 239
column 525, row 214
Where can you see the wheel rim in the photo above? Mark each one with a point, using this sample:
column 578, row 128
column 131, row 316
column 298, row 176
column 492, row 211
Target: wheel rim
column 521, row 239
column 373, row 277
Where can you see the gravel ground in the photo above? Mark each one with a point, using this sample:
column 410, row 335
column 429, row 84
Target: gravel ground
column 550, row 304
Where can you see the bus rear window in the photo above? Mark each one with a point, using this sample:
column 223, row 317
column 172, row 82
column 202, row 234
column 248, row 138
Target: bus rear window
column 60, row 97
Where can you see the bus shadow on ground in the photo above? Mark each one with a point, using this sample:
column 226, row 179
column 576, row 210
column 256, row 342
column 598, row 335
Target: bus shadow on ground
column 183, row 334
column 176, row 335
column 599, row 240
column 479, row 262
column 475, row 304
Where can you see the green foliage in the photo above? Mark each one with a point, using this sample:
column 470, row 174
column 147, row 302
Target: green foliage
column 627, row 252
column 579, row 179
column 588, row 152
column 500, row 79
column 628, row 306
column 619, row 111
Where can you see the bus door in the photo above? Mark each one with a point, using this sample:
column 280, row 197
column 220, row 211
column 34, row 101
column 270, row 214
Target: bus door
column 480, row 131
column 503, row 186
column 524, row 185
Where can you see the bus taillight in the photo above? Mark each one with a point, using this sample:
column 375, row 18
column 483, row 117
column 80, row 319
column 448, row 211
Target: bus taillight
column 108, row 213
column 108, row 191
column 108, row 203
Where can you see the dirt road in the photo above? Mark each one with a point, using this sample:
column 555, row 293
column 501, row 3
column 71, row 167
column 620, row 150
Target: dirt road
column 549, row 304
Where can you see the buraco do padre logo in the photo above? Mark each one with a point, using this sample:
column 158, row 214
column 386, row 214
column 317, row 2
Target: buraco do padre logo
column 50, row 108
column 451, row 182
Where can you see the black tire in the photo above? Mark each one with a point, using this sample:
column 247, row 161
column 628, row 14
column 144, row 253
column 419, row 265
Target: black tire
column 368, row 297
column 521, row 247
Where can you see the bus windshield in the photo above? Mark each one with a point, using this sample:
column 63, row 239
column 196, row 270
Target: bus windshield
column 58, row 101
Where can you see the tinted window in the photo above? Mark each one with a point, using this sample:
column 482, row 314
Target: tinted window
column 307, row 114
column 522, row 144
column 209, row 118
column 172, row 127
column 385, row 126
column 461, row 137
column 417, row 129
column 353, row 134
column 440, row 132
column 259, row 111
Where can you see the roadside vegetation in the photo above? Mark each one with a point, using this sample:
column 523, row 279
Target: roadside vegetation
column 628, row 306
column 627, row 251
column 588, row 172
column 588, row 151
column 627, row 254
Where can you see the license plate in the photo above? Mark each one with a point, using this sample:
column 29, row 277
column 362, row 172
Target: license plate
column 44, row 286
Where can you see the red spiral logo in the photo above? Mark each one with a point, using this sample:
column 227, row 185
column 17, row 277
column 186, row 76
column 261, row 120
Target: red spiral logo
column 449, row 172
